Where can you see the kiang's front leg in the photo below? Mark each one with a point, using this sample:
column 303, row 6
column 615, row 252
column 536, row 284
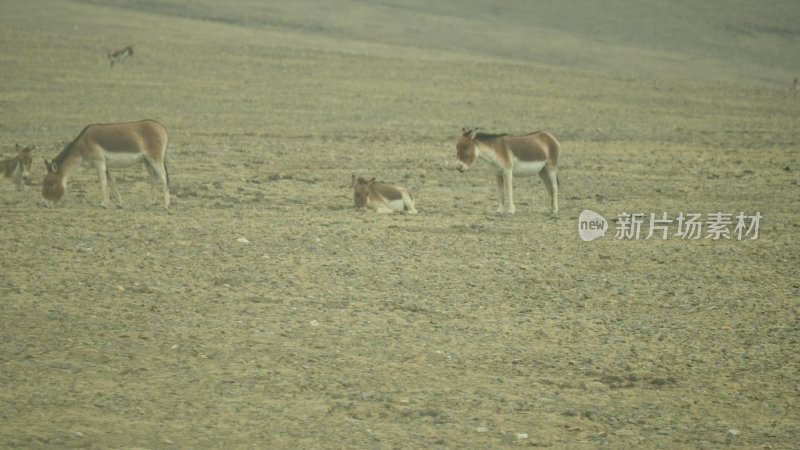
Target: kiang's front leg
column 102, row 174
column 550, row 178
column 508, row 187
column 113, row 186
column 501, row 194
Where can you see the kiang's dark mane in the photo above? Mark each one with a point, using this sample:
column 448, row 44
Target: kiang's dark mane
column 62, row 155
column 490, row 136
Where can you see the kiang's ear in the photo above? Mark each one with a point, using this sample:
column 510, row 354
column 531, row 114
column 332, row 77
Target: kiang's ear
column 17, row 144
column 353, row 180
column 52, row 167
column 372, row 180
column 473, row 133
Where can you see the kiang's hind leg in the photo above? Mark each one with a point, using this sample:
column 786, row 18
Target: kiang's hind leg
column 154, row 177
column 501, row 192
column 549, row 176
column 382, row 208
column 158, row 173
column 408, row 201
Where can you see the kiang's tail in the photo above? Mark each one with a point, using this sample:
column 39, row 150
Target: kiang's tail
column 165, row 157
column 166, row 171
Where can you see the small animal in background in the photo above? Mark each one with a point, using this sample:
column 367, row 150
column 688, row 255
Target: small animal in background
column 382, row 197
column 18, row 168
column 119, row 55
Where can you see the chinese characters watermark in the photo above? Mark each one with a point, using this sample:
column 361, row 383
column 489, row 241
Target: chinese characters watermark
column 685, row 226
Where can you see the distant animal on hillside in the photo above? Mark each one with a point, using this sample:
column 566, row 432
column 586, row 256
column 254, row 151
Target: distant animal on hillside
column 17, row 169
column 381, row 197
column 105, row 146
column 119, row 55
column 512, row 156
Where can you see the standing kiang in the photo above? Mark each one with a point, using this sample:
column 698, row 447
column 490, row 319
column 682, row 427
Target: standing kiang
column 510, row 156
column 17, row 170
column 110, row 146
column 119, row 55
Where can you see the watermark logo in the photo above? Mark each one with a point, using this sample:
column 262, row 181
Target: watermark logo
column 591, row 225
column 684, row 226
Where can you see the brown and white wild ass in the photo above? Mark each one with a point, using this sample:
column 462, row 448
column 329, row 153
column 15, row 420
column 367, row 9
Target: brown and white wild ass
column 512, row 156
column 382, row 197
column 119, row 55
column 110, row 146
column 18, row 169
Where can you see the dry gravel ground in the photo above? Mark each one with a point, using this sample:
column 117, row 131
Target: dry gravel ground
column 326, row 327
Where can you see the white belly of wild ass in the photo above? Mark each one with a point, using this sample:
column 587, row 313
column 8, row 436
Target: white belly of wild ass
column 123, row 160
column 527, row 168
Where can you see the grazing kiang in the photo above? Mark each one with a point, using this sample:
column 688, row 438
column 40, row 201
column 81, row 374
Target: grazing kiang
column 382, row 197
column 17, row 170
column 510, row 156
column 110, row 146
column 116, row 56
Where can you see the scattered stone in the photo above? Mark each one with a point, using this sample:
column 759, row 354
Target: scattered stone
column 64, row 365
column 624, row 432
column 242, row 240
column 510, row 438
column 481, row 429
column 314, row 323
